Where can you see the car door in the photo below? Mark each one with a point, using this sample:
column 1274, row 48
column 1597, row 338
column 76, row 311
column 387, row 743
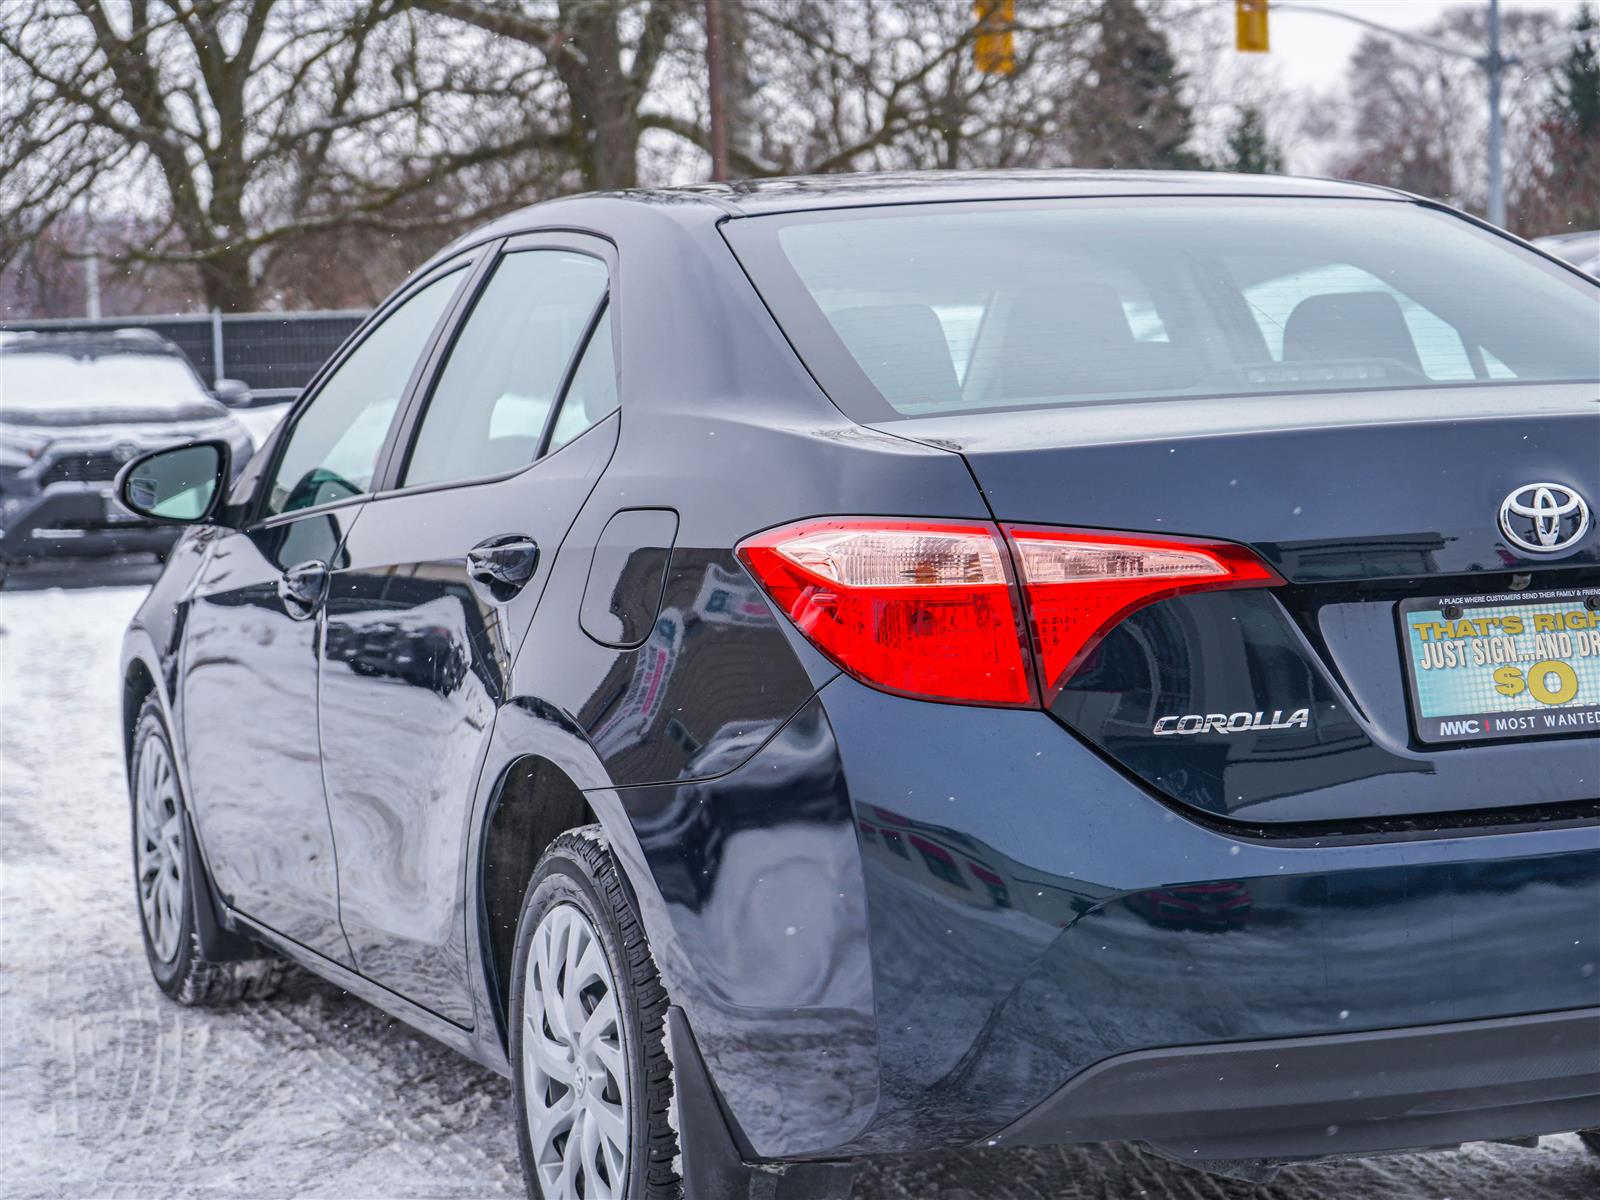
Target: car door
column 435, row 590
column 254, row 624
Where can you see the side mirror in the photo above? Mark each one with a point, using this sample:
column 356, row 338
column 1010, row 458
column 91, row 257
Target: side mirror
column 235, row 393
column 182, row 485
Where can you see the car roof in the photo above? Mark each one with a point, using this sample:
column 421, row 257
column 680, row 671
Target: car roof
column 757, row 197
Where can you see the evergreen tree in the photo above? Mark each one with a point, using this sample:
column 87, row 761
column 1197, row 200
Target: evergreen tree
column 1130, row 111
column 1566, row 192
column 1250, row 150
column 1576, row 103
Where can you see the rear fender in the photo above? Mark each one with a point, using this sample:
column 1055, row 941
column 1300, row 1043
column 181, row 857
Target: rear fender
column 749, row 887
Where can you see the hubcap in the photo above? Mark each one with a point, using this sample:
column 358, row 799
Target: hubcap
column 573, row 1068
column 158, row 848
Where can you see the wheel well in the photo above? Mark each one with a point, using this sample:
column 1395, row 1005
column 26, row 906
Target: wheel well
column 537, row 803
column 138, row 684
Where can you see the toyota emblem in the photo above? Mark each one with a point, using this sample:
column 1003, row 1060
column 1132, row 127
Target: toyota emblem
column 1543, row 518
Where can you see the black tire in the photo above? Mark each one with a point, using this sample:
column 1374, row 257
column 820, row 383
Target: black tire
column 1590, row 1139
column 578, row 869
column 188, row 976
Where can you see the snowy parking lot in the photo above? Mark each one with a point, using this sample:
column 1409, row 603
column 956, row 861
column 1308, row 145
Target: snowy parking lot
column 108, row 1089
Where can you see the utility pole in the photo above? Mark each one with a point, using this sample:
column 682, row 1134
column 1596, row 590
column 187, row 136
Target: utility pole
column 715, row 90
column 91, row 265
column 91, row 286
column 1252, row 37
column 1494, row 65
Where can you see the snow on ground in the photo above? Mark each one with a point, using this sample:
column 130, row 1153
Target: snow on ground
column 107, row 1089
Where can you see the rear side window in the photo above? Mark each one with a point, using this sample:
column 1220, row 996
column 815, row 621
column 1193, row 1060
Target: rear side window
column 910, row 310
column 592, row 394
column 490, row 407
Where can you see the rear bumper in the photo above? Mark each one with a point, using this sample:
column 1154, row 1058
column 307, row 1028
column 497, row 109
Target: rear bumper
column 76, row 520
column 1353, row 1093
column 902, row 926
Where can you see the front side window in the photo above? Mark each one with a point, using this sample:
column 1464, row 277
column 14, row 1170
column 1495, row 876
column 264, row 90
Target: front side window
column 926, row 309
column 332, row 452
column 488, row 411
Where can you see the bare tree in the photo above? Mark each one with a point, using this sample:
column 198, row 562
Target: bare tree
column 605, row 55
column 246, row 123
column 1419, row 117
column 46, row 278
column 842, row 85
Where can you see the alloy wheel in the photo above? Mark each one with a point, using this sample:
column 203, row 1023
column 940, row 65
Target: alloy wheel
column 575, row 1077
column 158, row 848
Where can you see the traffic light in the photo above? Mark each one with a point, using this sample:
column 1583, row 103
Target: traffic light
column 1250, row 26
column 994, row 50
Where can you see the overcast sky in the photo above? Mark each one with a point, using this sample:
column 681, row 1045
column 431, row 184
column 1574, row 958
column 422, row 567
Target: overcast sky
column 1313, row 49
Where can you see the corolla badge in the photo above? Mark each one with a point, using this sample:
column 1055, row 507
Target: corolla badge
column 1543, row 518
column 1239, row 722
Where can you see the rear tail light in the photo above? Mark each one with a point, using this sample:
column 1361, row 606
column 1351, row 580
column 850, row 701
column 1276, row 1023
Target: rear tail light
column 1080, row 585
column 920, row 608
column 933, row 610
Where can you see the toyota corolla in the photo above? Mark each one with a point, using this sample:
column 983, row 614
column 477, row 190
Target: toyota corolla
column 804, row 670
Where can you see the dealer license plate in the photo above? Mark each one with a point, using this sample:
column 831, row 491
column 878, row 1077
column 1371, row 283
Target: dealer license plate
column 1520, row 664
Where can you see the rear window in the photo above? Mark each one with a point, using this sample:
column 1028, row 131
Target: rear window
column 920, row 309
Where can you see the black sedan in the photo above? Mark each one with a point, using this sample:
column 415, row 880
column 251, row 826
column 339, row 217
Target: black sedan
column 820, row 668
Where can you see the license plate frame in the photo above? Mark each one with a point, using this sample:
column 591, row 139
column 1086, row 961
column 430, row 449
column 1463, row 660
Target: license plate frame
column 1479, row 707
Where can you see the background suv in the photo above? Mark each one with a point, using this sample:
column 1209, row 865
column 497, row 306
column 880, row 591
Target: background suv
column 74, row 408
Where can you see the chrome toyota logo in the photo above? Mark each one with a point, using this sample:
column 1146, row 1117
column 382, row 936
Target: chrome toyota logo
column 1543, row 518
column 124, row 451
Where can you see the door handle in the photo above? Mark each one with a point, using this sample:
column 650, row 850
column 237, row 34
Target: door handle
column 302, row 587
column 501, row 566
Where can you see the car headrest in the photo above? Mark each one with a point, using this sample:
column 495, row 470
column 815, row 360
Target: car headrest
column 1342, row 326
column 902, row 349
column 1063, row 340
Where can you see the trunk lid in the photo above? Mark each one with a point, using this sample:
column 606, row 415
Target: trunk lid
column 1364, row 503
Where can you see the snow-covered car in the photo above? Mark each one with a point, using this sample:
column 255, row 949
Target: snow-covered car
column 75, row 407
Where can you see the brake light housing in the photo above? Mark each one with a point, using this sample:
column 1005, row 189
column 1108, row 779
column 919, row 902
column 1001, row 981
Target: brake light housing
column 1081, row 584
column 918, row 608
column 969, row 612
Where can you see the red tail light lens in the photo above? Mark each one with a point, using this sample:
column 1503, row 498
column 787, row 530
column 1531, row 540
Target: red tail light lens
column 920, row 608
column 930, row 609
column 1079, row 585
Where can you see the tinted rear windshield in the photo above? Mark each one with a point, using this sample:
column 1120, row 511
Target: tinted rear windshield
column 918, row 309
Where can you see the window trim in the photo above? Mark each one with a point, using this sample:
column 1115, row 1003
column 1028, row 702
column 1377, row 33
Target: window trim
column 573, row 364
column 387, row 481
column 470, row 264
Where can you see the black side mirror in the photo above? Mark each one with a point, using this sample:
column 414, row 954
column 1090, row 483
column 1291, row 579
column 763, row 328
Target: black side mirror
column 182, row 485
column 235, row 393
